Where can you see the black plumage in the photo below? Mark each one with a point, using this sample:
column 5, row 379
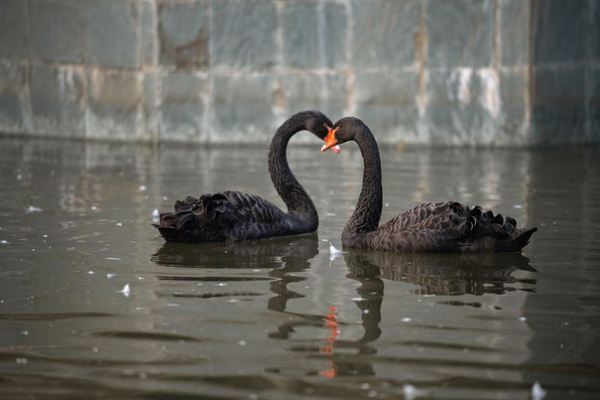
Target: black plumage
column 232, row 215
column 428, row 227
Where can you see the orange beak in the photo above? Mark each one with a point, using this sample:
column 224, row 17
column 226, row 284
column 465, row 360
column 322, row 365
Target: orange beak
column 330, row 140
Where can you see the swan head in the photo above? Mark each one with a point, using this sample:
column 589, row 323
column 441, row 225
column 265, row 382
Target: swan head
column 318, row 124
column 343, row 130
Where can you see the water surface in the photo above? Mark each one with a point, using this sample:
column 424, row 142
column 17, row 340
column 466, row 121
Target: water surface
column 280, row 318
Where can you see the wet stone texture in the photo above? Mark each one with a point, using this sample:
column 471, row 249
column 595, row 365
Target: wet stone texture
column 486, row 72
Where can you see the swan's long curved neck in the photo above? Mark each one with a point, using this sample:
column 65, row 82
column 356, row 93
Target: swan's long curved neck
column 369, row 205
column 293, row 194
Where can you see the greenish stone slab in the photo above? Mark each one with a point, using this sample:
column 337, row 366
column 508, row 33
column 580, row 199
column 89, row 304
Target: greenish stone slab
column 558, row 104
column 324, row 92
column 13, row 81
column 147, row 29
column 243, row 107
column 112, row 26
column 384, row 32
column 114, row 104
column 386, row 101
column 14, row 43
column 559, row 31
column 460, row 33
column 183, row 34
column 183, row 110
column 243, row 33
column 57, row 32
column 314, row 34
column 514, row 32
column 57, row 103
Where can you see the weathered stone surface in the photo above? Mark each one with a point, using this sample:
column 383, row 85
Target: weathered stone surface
column 151, row 131
column 57, row 100
column 183, row 115
column 314, row 34
column 13, row 29
column 114, row 101
column 460, row 33
column 148, row 19
column 514, row 32
column 464, row 106
column 183, row 34
column 513, row 126
column 243, row 34
column 594, row 104
column 13, row 80
column 112, row 38
column 385, row 33
column 327, row 93
column 594, row 30
column 558, row 104
column 243, row 107
column 56, row 30
column 387, row 103
column 559, row 30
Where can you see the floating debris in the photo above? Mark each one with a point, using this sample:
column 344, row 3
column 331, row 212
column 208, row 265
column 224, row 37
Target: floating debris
column 4, row 242
column 522, row 318
column 537, row 391
column 126, row 290
column 110, row 276
column 411, row 392
column 142, row 188
column 94, row 208
column 242, row 342
column 406, row 319
column 119, row 224
column 91, row 272
column 156, row 216
column 112, row 258
column 333, row 252
column 387, row 204
column 21, row 360
column 518, row 206
column 33, row 209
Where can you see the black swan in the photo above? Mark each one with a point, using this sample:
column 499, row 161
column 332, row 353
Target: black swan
column 231, row 215
column 445, row 226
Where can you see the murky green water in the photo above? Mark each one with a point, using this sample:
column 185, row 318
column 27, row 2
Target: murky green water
column 278, row 319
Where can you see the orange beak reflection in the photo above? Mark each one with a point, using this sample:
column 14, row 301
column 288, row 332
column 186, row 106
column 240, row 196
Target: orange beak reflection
column 330, row 140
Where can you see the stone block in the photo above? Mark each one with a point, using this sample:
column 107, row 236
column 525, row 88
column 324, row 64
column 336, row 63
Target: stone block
column 147, row 31
column 115, row 104
column 387, row 103
column 243, row 107
column 13, row 29
column 327, row 93
column 513, row 126
column 112, row 33
column 151, row 130
column 514, row 32
column 384, row 33
column 243, row 34
column 56, row 30
column 558, row 104
column 314, row 34
column 559, row 31
column 594, row 104
column 594, row 30
column 13, row 81
column 183, row 115
column 57, row 100
column 183, row 34
column 460, row 33
column 463, row 106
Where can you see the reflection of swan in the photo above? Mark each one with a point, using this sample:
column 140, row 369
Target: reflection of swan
column 445, row 226
column 287, row 251
column 232, row 215
column 442, row 274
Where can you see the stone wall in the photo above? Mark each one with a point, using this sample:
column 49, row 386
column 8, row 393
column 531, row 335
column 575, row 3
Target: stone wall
column 502, row 72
